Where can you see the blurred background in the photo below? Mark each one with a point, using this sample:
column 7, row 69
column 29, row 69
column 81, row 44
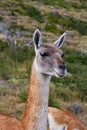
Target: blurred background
column 18, row 20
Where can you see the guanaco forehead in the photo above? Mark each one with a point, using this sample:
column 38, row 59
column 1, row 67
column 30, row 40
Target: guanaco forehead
column 50, row 49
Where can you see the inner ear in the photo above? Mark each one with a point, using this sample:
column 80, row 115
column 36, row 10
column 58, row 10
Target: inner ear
column 36, row 39
column 60, row 41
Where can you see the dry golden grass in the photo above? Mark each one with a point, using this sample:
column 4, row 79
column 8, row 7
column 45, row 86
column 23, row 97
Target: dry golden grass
column 82, row 46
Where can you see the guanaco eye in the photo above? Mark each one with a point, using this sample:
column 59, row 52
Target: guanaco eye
column 62, row 55
column 44, row 54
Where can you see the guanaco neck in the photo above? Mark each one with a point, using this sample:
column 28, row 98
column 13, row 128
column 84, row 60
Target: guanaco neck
column 36, row 111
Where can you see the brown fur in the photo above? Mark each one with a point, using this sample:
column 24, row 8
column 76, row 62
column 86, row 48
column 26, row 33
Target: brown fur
column 65, row 117
column 33, row 111
column 9, row 123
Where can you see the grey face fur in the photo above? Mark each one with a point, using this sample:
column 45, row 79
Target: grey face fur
column 49, row 57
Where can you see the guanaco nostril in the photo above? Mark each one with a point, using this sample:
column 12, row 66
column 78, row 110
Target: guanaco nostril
column 62, row 65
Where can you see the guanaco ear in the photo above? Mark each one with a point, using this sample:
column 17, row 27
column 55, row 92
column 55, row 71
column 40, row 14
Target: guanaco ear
column 60, row 41
column 37, row 39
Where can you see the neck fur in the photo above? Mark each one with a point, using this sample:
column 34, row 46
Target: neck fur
column 35, row 115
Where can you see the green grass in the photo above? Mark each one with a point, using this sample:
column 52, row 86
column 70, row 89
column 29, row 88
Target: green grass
column 75, row 85
column 21, row 8
column 53, row 3
column 19, row 11
column 52, row 28
column 65, row 4
column 1, row 18
column 23, row 95
column 67, row 23
column 68, row 88
column 77, row 6
column 27, row 10
column 5, row 71
column 3, row 46
column 16, row 26
column 10, row 61
column 34, row 13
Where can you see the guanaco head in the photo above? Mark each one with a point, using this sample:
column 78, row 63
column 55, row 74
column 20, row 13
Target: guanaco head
column 49, row 58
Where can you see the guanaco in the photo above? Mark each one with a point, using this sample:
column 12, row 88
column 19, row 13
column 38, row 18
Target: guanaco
column 48, row 62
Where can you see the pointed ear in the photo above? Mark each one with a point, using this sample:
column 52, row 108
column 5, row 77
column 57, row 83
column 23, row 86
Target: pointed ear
column 37, row 39
column 60, row 41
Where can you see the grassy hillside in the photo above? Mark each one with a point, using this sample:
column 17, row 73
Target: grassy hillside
column 52, row 18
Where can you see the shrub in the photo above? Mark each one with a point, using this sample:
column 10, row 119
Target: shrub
column 23, row 95
column 65, row 4
column 31, row 11
column 68, row 22
column 5, row 67
column 3, row 46
column 53, row 2
column 1, row 18
column 52, row 100
column 19, row 55
column 34, row 13
column 80, row 26
column 26, row 10
column 48, row 2
column 17, row 11
column 52, row 28
column 15, row 26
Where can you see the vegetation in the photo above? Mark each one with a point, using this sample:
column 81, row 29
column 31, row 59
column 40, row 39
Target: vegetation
column 53, row 17
column 1, row 18
column 27, row 10
column 66, row 23
column 66, row 4
column 15, row 26
column 76, row 64
column 75, row 84
column 3, row 46
column 23, row 95
column 53, row 29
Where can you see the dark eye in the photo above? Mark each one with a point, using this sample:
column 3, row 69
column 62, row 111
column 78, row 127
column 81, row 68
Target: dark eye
column 44, row 54
column 62, row 55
